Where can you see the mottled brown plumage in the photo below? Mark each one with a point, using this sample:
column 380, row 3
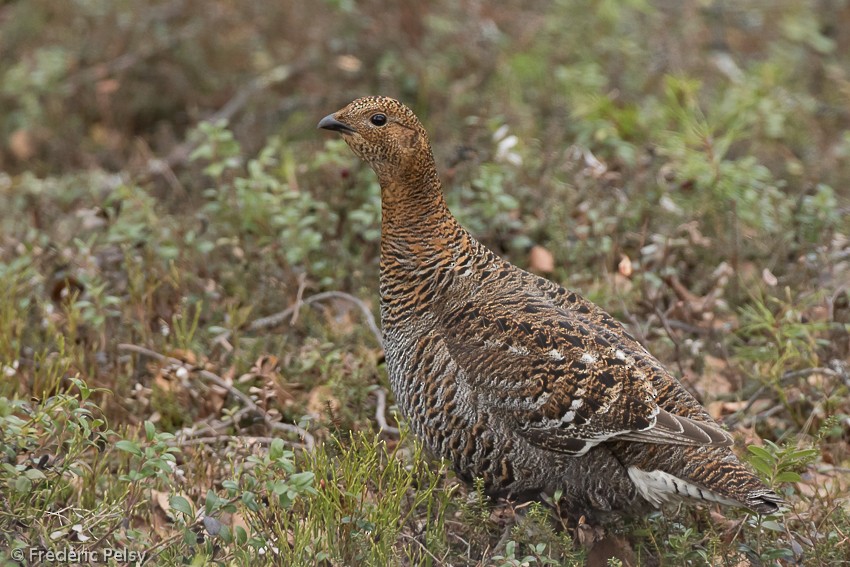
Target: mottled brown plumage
column 513, row 378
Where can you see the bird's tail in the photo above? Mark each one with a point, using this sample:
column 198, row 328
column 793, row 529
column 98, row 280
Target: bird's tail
column 698, row 475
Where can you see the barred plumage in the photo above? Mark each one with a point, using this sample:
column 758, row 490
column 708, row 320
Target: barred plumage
column 513, row 378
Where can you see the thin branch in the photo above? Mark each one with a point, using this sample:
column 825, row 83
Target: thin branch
column 738, row 415
column 380, row 412
column 309, row 440
column 762, row 415
column 278, row 318
column 299, row 297
column 687, row 327
column 180, row 154
column 806, row 372
column 677, row 350
column 423, row 548
column 783, row 380
column 212, row 425
column 219, row 438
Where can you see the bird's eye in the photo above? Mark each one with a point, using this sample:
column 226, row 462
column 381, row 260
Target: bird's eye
column 378, row 119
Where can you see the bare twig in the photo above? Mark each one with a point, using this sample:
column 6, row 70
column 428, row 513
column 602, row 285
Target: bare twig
column 299, row 296
column 635, row 328
column 278, row 318
column 213, row 425
column 309, row 440
column 762, row 415
column 738, row 415
column 219, row 438
column 806, row 372
column 436, row 559
column 380, row 412
column 786, row 377
column 181, row 153
column 687, row 327
column 677, row 351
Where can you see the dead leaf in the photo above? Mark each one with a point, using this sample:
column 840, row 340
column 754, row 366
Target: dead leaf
column 541, row 260
column 186, row 356
column 718, row 409
column 748, row 274
column 768, row 277
column 730, row 528
column 266, row 366
column 348, row 63
column 163, row 382
column 821, row 482
column 625, row 266
column 587, row 534
column 21, row 144
column 107, row 86
column 236, row 519
column 161, row 500
column 341, row 316
column 697, row 237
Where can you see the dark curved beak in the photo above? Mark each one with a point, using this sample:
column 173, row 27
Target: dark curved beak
column 331, row 123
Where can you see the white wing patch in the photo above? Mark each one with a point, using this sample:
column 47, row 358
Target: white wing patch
column 556, row 355
column 570, row 415
column 588, row 358
column 659, row 487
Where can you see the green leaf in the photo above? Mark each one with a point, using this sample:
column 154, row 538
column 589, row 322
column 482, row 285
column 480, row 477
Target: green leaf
column 788, row 476
column 250, row 501
column 761, row 466
column 34, row 474
column 226, row 535
column 129, row 447
column 279, row 487
column 772, row 526
column 211, row 502
column 302, row 479
column 241, row 535
column 276, row 449
column 181, row 505
column 190, row 538
column 150, row 430
column 23, row 485
column 761, row 452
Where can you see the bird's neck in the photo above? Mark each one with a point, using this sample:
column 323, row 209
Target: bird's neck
column 416, row 224
column 412, row 201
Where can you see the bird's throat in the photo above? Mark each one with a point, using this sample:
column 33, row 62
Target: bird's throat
column 416, row 224
column 413, row 208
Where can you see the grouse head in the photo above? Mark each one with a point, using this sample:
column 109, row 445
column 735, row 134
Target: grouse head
column 381, row 131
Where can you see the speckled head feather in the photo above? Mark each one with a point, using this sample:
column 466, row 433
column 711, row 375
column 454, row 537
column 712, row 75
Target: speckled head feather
column 381, row 131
